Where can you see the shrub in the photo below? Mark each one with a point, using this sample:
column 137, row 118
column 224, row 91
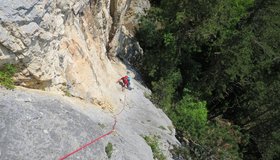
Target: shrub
column 152, row 141
column 190, row 115
column 109, row 149
column 67, row 93
column 6, row 74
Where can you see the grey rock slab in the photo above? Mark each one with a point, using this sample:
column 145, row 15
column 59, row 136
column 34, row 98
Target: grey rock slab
column 37, row 125
column 30, row 28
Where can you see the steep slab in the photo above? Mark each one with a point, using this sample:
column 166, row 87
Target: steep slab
column 41, row 125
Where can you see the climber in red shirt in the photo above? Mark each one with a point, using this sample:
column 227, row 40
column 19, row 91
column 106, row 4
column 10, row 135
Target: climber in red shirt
column 125, row 82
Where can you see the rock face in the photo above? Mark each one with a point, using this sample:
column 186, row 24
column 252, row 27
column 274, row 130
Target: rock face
column 38, row 125
column 68, row 45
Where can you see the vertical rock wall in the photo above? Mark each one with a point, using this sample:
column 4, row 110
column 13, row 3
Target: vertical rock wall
column 69, row 45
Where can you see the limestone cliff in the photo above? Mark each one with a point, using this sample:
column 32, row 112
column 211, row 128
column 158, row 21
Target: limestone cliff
column 71, row 47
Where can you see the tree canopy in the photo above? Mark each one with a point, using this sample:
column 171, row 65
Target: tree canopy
column 225, row 53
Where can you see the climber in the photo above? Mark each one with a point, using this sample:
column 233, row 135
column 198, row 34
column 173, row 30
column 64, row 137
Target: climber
column 129, row 83
column 129, row 80
column 126, row 81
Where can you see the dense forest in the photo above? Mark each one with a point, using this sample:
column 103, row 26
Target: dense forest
column 213, row 66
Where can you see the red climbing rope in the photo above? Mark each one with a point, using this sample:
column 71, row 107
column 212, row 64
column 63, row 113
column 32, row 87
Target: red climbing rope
column 95, row 140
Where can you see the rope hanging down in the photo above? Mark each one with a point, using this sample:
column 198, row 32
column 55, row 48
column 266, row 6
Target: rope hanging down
column 97, row 139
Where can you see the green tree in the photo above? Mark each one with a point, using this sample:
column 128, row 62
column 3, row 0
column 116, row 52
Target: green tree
column 190, row 116
column 227, row 53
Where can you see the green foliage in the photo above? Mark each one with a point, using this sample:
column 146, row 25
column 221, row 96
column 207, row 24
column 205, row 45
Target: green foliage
column 273, row 150
column 109, row 150
column 6, row 74
column 182, row 152
column 169, row 39
column 223, row 140
column 164, row 90
column 223, row 20
column 227, row 53
column 67, row 93
column 152, row 141
column 180, row 18
column 190, row 115
column 218, row 140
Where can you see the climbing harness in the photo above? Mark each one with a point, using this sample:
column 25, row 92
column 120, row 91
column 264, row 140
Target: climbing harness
column 98, row 138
